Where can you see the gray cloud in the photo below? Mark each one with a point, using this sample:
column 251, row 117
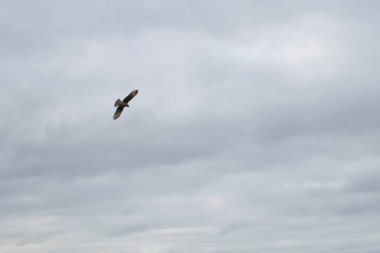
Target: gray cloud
column 255, row 128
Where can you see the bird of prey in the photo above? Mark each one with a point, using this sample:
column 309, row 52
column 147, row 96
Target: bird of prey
column 121, row 104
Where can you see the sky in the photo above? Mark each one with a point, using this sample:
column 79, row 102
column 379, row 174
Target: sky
column 256, row 126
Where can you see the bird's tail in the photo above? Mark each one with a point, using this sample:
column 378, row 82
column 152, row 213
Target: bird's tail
column 117, row 103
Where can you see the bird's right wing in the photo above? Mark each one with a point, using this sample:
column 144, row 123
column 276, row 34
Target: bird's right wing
column 130, row 96
column 118, row 112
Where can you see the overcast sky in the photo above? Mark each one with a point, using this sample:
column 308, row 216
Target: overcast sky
column 256, row 126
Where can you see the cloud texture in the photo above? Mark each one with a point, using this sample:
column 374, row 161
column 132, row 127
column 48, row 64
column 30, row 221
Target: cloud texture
column 256, row 126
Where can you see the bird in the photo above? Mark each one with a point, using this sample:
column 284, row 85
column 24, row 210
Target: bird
column 121, row 104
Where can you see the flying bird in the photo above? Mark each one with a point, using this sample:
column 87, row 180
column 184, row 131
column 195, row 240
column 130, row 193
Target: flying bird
column 121, row 104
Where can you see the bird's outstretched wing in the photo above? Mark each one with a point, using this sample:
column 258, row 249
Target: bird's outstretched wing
column 118, row 112
column 130, row 96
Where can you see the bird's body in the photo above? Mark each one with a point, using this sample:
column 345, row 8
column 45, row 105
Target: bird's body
column 121, row 104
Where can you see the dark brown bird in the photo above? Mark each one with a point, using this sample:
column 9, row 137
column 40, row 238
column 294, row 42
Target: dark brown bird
column 121, row 104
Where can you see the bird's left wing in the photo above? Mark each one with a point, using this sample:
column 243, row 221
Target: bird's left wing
column 118, row 112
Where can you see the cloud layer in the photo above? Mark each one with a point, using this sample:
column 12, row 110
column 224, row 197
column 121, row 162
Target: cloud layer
column 255, row 128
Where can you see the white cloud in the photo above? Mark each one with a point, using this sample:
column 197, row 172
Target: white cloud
column 255, row 128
